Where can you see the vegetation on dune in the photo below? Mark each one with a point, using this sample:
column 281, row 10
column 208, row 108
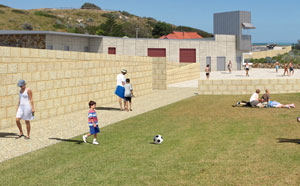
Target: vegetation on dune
column 90, row 19
column 90, row 6
column 293, row 55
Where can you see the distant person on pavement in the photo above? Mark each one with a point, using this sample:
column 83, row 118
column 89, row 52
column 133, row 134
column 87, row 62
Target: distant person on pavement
column 207, row 71
column 277, row 66
column 229, row 66
column 286, row 69
column 247, row 67
column 291, row 66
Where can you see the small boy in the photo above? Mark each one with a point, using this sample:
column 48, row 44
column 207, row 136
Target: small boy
column 128, row 94
column 93, row 123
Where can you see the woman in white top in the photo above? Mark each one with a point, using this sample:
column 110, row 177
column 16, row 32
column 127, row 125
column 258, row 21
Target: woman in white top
column 120, row 90
column 25, row 109
column 247, row 68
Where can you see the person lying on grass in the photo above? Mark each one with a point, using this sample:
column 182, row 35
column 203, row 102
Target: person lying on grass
column 276, row 104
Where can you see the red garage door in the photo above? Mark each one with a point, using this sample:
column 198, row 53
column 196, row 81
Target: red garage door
column 156, row 52
column 111, row 50
column 188, row 55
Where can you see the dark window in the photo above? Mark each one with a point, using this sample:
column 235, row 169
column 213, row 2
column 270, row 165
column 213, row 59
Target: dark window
column 156, row 52
column 187, row 55
column 111, row 50
column 66, row 48
column 49, row 47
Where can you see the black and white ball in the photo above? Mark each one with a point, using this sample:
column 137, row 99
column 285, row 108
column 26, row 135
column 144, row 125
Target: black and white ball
column 158, row 139
column 298, row 119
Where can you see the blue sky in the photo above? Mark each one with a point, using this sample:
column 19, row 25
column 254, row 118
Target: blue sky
column 275, row 20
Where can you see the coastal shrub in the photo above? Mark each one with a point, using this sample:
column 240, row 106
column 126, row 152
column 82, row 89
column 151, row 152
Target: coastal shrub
column 18, row 11
column 90, row 6
column 44, row 14
column 4, row 6
column 27, row 26
column 2, row 12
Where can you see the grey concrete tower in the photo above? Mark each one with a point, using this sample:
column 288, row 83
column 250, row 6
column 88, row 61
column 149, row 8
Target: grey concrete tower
column 233, row 23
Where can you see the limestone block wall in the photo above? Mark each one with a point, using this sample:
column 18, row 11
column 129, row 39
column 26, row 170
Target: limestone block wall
column 173, row 65
column 159, row 73
column 268, row 53
column 242, row 86
column 184, row 73
column 63, row 81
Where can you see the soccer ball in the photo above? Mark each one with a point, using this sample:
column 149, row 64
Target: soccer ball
column 158, row 139
column 298, row 119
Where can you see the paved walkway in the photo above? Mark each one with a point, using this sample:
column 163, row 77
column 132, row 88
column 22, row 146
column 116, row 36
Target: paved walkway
column 255, row 73
column 54, row 130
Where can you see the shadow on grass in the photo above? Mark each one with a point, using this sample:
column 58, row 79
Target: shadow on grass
column 68, row 140
column 285, row 140
column 7, row 135
column 107, row 108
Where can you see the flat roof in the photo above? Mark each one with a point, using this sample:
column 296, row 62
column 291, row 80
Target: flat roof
column 29, row 32
column 24, row 32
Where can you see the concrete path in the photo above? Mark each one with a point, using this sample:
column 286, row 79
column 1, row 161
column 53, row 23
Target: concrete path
column 255, row 73
column 54, row 130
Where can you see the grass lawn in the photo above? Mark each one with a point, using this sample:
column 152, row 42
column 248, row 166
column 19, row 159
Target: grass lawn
column 206, row 142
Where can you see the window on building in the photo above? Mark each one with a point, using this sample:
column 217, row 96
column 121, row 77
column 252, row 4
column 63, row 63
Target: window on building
column 111, row 50
column 66, row 48
column 49, row 47
column 156, row 52
column 187, row 55
column 86, row 49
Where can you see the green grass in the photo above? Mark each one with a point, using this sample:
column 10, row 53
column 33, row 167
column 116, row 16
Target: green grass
column 206, row 142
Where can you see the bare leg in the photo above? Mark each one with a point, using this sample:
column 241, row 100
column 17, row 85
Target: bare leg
column 130, row 106
column 28, row 128
column 127, row 106
column 19, row 125
column 120, row 102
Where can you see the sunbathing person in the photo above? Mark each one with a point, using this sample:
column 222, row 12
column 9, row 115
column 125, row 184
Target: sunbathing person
column 276, row 104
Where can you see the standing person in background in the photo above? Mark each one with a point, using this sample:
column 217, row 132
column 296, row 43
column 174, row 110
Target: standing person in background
column 120, row 90
column 291, row 66
column 247, row 67
column 229, row 66
column 207, row 71
column 286, row 69
column 25, row 109
column 277, row 66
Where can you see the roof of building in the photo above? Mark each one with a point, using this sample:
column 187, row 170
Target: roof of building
column 24, row 32
column 30, row 32
column 182, row 35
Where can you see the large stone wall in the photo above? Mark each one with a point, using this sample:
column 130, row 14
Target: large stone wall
column 242, row 86
column 24, row 41
column 159, row 73
column 184, row 73
column 63, row 81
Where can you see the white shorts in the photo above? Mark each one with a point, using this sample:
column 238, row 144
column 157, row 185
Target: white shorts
column 24, row 112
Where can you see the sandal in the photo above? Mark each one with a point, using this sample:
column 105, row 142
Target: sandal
column 19, row 136
column 26, row 137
